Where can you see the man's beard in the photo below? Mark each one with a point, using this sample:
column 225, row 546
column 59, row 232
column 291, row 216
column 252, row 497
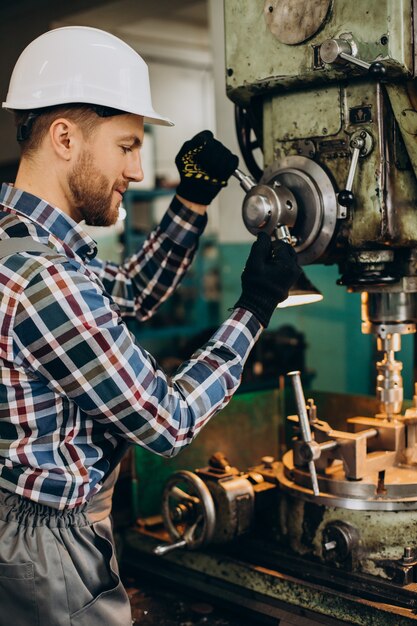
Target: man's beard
column 92, row 194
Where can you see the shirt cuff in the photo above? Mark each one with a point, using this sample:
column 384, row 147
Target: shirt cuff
column 183, row 225
column 240, row 331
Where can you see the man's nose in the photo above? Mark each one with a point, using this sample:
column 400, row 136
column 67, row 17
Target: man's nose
column 133, row 170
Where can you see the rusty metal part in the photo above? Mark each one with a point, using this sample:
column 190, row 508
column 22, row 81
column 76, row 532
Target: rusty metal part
column 316, row 203
column 267, row 207
column 277, row 585
column 234, row 500
column 213, row 505
column 188, row 512
column 362, row 456
column 339, row 541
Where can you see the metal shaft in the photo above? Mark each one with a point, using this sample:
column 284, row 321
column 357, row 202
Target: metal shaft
column 354, row 60
column 352, row 169
column 161, row 550
column 304, row 424
column 246, row 182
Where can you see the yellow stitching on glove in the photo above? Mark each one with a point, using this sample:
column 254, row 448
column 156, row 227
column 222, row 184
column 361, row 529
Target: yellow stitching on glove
column 191, row 169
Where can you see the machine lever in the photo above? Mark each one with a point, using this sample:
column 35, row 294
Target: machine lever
column 376, row 69
column 361, row 144
column 161, row 550
column 346, row 197
column 333, row 51
column 246, row 181
column 304, row 424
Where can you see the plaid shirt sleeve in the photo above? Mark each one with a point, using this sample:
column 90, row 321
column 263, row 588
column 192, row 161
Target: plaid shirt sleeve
column 69, row 335
column 146, row 279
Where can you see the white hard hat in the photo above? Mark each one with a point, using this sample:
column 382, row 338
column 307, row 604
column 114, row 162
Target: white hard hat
column 86, row 65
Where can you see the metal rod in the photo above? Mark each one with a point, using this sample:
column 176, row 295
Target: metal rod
column 246, row 182
column 161, row 550
column 348, row 57
column 301, row 406
column 352, row 169
column 304, row 424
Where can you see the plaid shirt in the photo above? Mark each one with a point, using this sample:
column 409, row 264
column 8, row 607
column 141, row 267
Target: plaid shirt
column 73, row 383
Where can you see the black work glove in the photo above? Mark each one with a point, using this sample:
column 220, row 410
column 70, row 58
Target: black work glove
column 205, row 165
column 270, row 271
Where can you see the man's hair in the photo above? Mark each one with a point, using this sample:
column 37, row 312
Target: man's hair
column 33, row 126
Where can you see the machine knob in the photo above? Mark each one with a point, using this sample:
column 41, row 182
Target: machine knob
column 331, row 49
column 377, row 70
column 258, row 212
column 269, row 208
column 346, row 198
column 339, row 540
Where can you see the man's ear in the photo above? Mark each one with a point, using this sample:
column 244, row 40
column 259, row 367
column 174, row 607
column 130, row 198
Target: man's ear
column 64, row 136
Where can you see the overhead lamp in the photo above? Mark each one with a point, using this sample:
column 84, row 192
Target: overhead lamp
column 302, row 292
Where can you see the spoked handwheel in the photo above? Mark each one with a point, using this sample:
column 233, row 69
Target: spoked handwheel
column 248, row 142
column 188, row 512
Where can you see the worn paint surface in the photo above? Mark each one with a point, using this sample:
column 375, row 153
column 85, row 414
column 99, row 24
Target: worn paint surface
column 302, row 101
column 382, row 535
column 385, row 193
column 277, row 65
column 271, row 584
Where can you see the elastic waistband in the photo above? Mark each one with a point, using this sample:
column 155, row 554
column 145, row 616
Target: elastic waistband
column 14, row 508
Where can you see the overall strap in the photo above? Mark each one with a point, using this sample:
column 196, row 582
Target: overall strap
column 22, row 244
column 28, row 244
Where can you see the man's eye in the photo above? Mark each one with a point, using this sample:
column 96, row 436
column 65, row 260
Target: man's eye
column 126, row 149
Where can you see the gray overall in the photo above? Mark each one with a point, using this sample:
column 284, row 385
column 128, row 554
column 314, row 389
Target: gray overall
column 57, row 568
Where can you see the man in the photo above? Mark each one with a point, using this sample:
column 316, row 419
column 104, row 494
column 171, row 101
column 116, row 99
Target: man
column 74, row 387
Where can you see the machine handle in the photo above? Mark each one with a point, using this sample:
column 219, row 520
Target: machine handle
column 305, row 427
column 246, row 181
column 345, row 197
column 161, row 550
column 376, row 69
column 361, row 145
column 333, row 51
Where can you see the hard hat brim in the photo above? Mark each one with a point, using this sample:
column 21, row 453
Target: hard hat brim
column 80, row 64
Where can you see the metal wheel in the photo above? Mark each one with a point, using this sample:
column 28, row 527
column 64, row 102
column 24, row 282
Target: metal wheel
column 247, row 140
column 188, row 509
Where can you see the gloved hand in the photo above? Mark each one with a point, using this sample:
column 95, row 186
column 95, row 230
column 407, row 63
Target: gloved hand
column 270, row 271
column 205, row 165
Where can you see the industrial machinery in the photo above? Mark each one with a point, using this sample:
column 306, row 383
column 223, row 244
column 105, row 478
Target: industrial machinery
column 327, row 89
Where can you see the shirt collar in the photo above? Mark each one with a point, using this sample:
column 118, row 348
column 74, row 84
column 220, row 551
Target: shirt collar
column 51, row 219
